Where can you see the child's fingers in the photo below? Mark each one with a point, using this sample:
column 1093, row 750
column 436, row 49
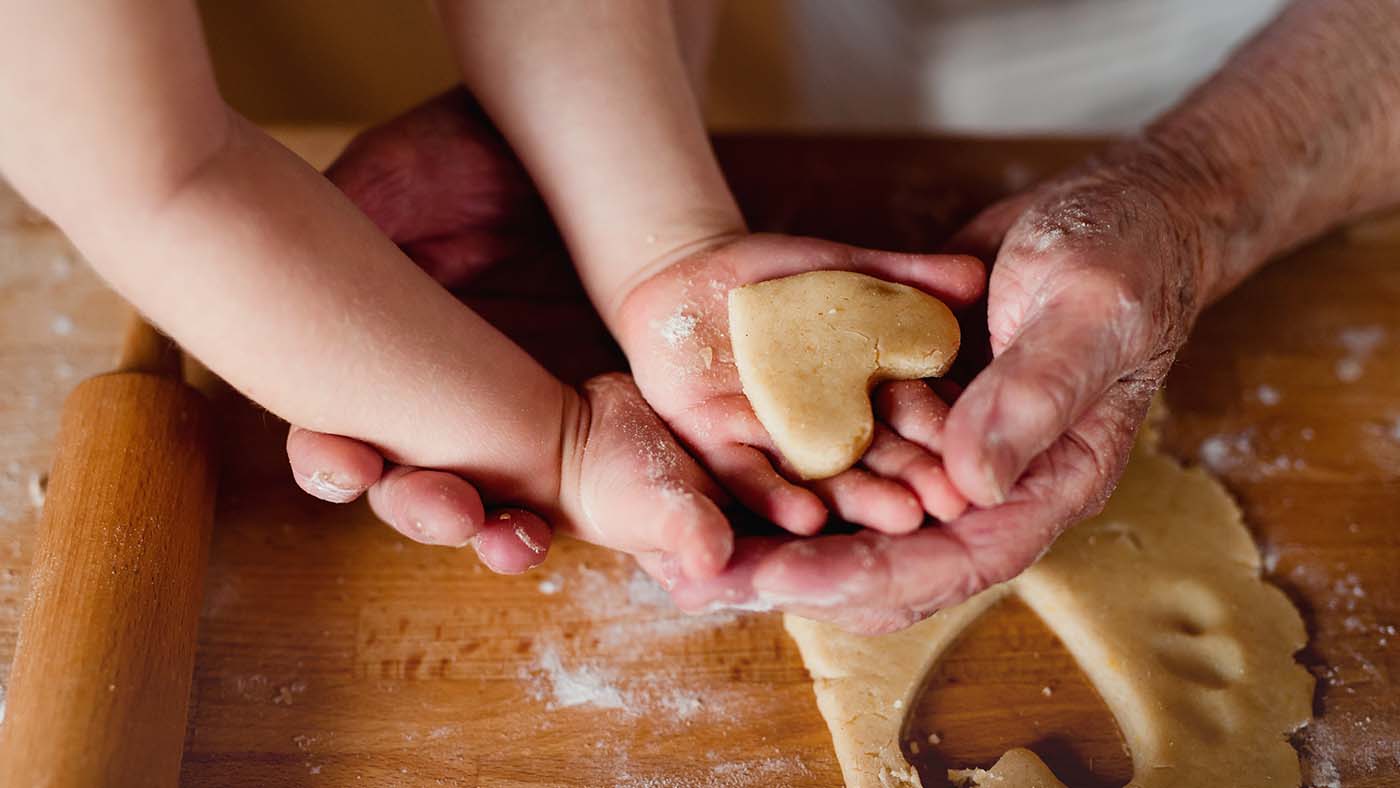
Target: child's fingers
column 512, row 541
column 893, row 457
column 863, row 498
column 750, row 477
column 432, row 507
column 677, row 522
column 332, row 467
column 956, row 279
column 693, row 530
column 914, row 411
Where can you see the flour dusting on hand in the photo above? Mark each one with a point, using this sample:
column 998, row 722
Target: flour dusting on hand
column 678, row 326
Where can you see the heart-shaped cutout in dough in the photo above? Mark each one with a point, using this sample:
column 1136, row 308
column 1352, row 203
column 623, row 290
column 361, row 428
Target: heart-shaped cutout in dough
column 1160, row 600
column 810, row 347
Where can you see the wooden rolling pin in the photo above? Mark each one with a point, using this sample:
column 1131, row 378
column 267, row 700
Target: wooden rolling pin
column 101, row 679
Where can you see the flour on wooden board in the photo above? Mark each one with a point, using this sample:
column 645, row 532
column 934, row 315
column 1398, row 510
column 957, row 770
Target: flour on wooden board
column 1360, row 343
column 1347, row 742
column 634, row 622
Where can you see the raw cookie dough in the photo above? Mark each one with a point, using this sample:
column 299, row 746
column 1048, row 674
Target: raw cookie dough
column 1159, row 599
column 810, row 347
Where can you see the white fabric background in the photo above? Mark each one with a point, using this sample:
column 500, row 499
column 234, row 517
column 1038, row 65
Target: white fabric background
column 998, row 66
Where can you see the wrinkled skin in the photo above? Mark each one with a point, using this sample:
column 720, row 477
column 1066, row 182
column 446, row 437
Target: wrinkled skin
column 1093, row 290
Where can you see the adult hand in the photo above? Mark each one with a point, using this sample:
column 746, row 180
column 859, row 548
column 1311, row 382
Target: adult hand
column 443, row 185
column 1094, row 289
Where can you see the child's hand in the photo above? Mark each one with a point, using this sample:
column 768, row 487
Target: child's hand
column 617, row 479
column 674, row 327
column 628, row 485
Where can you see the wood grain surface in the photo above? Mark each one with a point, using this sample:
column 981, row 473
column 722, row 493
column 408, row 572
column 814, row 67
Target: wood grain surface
column 332, row 652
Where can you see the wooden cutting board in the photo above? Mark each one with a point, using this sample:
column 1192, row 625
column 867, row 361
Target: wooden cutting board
column 333, row 652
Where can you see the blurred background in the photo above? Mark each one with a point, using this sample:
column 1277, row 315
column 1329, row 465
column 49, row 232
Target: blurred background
column 975, row 66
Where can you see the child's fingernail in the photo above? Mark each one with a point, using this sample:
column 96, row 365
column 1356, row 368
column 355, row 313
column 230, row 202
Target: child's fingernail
column 330, row 487
column 529, row 542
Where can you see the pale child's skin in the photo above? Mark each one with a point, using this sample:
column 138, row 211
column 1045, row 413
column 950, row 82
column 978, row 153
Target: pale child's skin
column 596, row 100
column 255, row 264
column 252, row 261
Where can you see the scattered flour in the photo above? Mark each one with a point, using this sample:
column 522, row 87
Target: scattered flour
column 642, row 591
column 728, row 774
column 62, row 325
column 678, row 326
column 1267, row 395
column 1234, row 452
column 1360, row 343
column 1351, row 743
column 1348, row 739
column 634, row 623
column 584, row 686
column 1227, row 451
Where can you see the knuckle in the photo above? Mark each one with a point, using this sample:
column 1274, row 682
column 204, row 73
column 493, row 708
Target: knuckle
column 1047, row 393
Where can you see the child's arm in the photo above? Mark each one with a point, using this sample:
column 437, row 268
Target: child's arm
column 594, row 98
column 253, row 262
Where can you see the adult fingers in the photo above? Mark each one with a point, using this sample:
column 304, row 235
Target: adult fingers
column 731, row 589
column 456, row 259
column 436, row 169
column 936, row 567
column 860, row 497
column 332, row 467
column 1058, row 364
column 958, row 280
column 916, row 468
column 913, row 411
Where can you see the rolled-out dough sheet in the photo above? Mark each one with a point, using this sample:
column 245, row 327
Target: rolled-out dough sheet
column 1161, row 602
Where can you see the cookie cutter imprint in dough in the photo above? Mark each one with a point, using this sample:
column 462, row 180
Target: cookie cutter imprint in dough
column 1161, row 602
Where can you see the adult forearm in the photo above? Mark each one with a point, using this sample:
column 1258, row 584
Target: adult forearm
column 1298, row 132
column 595, row 99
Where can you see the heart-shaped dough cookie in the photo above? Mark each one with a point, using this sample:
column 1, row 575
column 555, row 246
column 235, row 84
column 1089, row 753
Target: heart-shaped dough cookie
column 810, row 347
